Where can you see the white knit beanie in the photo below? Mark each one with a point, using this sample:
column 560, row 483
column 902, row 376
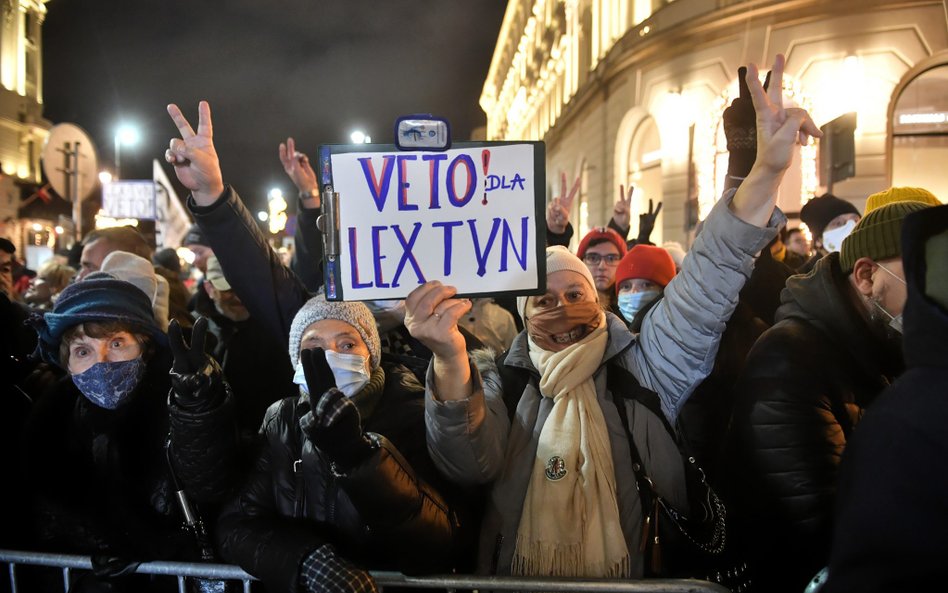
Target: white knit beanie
column 559, row 258
column 355, row 314
column 133, row 269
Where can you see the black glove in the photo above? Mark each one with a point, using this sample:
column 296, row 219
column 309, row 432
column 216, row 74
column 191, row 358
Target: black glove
column 196, row 379
column 325, row 572
column 647, row 223
column 319, row 377
column 740, row 128
column 333, row 424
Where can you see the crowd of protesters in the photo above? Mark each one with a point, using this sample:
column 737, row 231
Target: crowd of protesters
column 750, row 411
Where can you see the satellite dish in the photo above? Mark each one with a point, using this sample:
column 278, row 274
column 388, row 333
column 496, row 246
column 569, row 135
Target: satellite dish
column 70, row 162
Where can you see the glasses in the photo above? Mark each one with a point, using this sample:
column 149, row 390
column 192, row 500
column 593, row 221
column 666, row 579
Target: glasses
column 594, row 259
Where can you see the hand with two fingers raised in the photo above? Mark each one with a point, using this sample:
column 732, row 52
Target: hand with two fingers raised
column 193, row 156
column 557, row 213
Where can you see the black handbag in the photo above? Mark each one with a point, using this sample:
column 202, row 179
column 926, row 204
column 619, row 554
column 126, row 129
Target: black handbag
column 675, row 544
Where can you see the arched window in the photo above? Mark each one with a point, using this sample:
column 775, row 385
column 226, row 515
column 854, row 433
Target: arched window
column 920, row 132
column 645, row 172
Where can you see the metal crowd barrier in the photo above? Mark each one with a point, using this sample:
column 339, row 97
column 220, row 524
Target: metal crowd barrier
column 182, row 570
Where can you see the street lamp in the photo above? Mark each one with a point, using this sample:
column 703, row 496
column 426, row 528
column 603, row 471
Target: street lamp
column 360, row 137
column 126, row 135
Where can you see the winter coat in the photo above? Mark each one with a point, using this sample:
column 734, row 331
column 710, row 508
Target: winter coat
column 804, row 387
column 384, row 514
column 98, row 478
column 477, row 441
column 891, row 502
column 244, row 349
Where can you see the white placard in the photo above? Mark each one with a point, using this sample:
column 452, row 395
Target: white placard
column 469, row 217
column 129, row 199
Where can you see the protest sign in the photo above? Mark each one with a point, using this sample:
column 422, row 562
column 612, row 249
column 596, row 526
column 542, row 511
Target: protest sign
column 129, row 199
column 471, row 216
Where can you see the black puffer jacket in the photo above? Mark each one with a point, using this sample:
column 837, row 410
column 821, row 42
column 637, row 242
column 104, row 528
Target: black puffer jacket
column 892, row 511
column 804, row 387
column 384, row 514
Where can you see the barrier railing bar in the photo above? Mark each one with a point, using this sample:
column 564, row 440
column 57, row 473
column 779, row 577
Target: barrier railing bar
column 383, row 578
column 13, row 578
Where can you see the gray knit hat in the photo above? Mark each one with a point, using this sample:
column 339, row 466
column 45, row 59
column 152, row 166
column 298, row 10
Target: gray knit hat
column 560, row 258
column 355, row 314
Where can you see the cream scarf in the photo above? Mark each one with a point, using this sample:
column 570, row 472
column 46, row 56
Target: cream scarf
column 570, row 520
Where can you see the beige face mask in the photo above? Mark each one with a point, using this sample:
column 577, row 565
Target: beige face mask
column 555, row 329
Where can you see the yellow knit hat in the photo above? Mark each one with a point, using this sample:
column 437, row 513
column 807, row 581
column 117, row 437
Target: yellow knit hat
column 900, row 194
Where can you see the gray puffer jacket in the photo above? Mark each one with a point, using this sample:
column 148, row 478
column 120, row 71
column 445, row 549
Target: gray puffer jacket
column 475, row 441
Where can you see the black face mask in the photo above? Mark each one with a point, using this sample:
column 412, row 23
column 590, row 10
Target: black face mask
column 577, row 319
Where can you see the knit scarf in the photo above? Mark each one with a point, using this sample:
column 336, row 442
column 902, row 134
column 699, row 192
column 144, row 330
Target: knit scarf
column 570, row 520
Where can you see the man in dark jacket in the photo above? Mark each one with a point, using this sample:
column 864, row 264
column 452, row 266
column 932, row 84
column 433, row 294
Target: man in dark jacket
column 243, row 349
column 891, row 511
column 802, row 391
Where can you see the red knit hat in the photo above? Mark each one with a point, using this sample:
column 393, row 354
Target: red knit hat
column 600, row 234
column 648, row 262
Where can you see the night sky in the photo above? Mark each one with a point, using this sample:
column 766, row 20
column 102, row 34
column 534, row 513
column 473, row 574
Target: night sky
column 313, row 69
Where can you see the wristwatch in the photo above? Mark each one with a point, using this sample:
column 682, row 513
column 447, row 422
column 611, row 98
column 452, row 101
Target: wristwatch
column 310, row 199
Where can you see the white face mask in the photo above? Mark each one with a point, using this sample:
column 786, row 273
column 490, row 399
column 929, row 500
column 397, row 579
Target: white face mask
column 351, row 372
column 895, row 321
column 833, row 240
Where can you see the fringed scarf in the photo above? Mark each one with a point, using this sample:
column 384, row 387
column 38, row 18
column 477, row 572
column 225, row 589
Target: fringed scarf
column 570, row 522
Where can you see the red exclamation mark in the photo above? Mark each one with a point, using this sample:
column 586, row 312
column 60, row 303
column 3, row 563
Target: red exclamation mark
column 485, row 162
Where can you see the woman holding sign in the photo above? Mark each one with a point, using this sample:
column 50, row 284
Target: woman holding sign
column 565, row 446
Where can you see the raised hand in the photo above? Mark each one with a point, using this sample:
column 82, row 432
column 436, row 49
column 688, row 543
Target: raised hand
column 193, row 156
column 297, row 167
column 779, row 131
column 557, row 213
column 431, row 316
column 622, row 211
column 319, row 377
column 196, row 378
column 647, row 221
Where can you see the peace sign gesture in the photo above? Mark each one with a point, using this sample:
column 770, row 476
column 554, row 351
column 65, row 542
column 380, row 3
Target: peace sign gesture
column 622, row 211
column 193, row 156
column 779, row 129
column 557, row 213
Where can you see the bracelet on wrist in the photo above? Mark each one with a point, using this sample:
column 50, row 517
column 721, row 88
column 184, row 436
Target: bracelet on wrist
column 310, row 198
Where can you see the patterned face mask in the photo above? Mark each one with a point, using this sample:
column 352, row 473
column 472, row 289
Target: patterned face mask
column 109, row 384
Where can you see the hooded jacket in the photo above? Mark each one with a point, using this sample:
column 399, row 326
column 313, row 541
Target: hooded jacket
column 478, row 441
column 891, row 511
column 803, row 389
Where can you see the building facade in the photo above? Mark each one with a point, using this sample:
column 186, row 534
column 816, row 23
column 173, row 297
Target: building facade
column 632, row 91
column 23, row 130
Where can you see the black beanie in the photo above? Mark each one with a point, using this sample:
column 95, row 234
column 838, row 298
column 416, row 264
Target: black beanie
column 818, row 212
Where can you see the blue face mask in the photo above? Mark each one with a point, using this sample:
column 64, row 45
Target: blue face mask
column 109, row 384
column 631, row 303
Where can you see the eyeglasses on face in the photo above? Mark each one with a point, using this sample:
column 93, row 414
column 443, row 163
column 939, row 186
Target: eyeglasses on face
column 594, row 259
